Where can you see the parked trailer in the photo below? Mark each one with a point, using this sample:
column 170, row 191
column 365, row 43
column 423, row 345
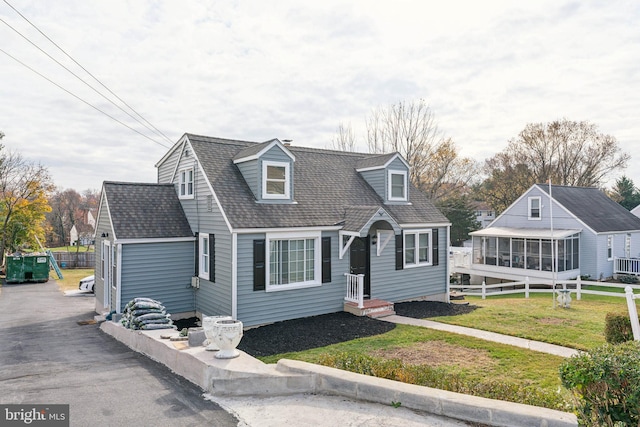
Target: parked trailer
column 32, row 267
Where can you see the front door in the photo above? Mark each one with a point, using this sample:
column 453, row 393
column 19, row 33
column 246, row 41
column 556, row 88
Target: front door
column 359, row 261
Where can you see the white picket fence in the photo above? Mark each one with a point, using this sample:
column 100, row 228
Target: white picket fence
column 633, row 312
column 526, row 286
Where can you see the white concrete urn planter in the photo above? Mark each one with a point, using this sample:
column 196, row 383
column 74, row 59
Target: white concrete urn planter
column 227, row 337
column 209, row 326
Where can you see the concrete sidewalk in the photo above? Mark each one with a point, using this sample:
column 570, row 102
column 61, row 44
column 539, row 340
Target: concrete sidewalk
column 485, row 335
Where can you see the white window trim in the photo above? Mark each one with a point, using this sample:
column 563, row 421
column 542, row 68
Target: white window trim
column 610, row 247
column 417, row 248
column 203, row 266
column 539, row 217
column 390, row 173
column 317, row 262
column 182, row 180
column 287, row 181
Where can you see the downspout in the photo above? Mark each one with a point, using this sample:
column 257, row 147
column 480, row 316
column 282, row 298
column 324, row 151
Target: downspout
column 118, row 253
column 234, row 275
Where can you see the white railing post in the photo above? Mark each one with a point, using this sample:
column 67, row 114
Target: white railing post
column 633, row 312
column 578, row 288
column 526, row 287
column 484, row 289
column 360, row 290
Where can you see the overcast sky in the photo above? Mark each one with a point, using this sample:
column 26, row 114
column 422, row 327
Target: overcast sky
column 257, row 70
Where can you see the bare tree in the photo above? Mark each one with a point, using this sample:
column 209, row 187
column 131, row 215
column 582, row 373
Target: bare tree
column 567, row 152
column 411, row 130
column 345, row 139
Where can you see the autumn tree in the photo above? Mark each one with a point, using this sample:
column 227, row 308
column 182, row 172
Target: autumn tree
column 68, row 209
column 410, row 129
column 566, row 152
column 24, row 187
column 625, row 193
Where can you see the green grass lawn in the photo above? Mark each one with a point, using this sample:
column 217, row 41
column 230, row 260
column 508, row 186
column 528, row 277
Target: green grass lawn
column 580, row 327
column 73, row 249
column 71, row 277
column 474, row 360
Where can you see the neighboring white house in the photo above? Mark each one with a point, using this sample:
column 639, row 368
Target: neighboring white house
column 555, row 232
column 636, row 211
column 484, row 214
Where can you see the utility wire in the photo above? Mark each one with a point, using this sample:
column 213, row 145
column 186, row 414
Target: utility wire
column 80, row 99
column 148, row 124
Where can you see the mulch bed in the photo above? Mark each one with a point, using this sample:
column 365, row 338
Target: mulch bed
column 319, row 331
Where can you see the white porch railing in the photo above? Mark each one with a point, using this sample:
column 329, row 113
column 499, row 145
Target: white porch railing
column 355, row 289
column 626, row 266
column 633, row 312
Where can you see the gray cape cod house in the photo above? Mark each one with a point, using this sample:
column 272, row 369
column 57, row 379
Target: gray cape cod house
column 267, row 231
column 557, row 232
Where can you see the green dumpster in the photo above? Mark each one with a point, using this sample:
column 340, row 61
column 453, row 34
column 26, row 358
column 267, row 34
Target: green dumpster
column 27, row 268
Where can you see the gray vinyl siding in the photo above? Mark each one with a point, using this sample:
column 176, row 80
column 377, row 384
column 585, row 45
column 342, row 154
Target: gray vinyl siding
column 103, row 225
column 259, row 307
column 213, row 298
column 377, row 180
column 161, row 271
column 393, row 285
column 167, row 168
column 249, row 171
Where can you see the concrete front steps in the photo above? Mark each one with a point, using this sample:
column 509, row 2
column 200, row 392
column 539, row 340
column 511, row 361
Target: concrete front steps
column 374, row 308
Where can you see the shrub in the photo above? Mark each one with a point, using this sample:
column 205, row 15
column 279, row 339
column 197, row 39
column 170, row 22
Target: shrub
column 628, row 279
column 428, row 376
column 617, row 328
column 605, row 383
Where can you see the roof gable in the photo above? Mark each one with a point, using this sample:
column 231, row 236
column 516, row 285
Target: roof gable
column 379, row 161
column 145, row 211
column 256, row 151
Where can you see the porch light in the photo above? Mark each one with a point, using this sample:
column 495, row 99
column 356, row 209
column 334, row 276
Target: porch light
column 103, row 235
column 374, row 239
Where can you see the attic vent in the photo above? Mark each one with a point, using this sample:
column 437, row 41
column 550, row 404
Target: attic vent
column 186, row 153
column 209, row 203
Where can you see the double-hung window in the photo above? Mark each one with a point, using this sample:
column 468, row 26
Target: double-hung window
column 535, row 207
column 417, row 248
column 293, row 261
column 397, row 181
column 275, row 180
column 186, row 183
column 205, row 256
column 609, row 247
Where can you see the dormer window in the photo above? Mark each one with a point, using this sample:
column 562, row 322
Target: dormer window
column 186, row 184
column 534, row 208
column 397, row 186
column 275, row 180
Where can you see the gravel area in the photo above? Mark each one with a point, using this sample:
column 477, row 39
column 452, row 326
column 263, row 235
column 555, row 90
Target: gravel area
column 319, row 331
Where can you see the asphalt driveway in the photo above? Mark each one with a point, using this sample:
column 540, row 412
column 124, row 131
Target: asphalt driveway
column 49, row 355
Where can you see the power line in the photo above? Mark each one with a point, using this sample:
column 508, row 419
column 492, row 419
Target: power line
column 148, row 124
column 80, row 99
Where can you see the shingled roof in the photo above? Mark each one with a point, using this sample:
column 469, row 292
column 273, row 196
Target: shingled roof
column 326, row 185
column 145, row 211
column 594, row 208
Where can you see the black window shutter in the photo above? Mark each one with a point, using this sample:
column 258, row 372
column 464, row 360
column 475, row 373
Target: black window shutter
column 212, row 257
column 197, row 263
column 259, row 266
column 434, row 247
column 326, row 259
column 399, row 252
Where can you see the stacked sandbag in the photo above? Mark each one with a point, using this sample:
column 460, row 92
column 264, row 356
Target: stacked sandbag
column 146, row 314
